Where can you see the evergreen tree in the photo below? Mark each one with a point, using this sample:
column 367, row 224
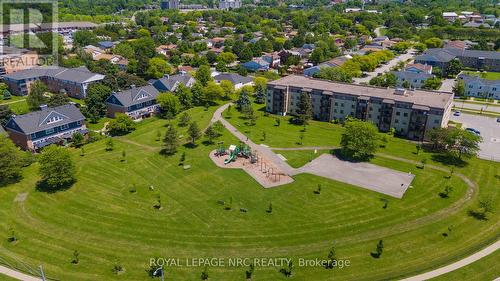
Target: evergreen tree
column 194, row 132
column 211, row 134
column 304, row 109
column 243, row 100
column 171, row 141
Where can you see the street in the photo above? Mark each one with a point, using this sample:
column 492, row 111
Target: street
column 385, row 67
column 490, row 131
column 477, row 106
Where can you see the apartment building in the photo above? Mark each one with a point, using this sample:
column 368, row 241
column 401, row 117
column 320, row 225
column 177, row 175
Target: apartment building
column 410, row 112
column 72, row 81
column 478, row 87
column 137, row 102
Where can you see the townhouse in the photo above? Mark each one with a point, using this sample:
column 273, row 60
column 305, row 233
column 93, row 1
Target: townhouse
column 170, row 83
column 441, row 57
column 413, row 76
column 137, row 102
column 49, row 125
column 478, row 87
column 72, row 81
column 238, row 81
column 410, row 112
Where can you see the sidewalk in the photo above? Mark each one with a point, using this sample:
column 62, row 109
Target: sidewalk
column 17, row 275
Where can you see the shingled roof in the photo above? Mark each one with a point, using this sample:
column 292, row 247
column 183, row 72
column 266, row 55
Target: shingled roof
column 134, row 96
column 77, row 75
column 44, row 119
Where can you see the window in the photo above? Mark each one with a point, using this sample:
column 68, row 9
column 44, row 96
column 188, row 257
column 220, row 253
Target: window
column 49, row 131
column 54, row 119
column 398, row 113
column 336, row 103
column 341, row 105
column 436, row 121
column 352, row 106
column 341, row 112
column 405, row 114
column 64, row 127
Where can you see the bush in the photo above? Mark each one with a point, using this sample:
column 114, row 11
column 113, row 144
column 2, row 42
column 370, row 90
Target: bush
column 121, row 125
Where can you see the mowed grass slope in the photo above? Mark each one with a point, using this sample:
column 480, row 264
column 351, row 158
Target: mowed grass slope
column 109, row 225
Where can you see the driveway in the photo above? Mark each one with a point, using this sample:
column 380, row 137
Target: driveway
column 490, row 131
column 447, row 85
column 385, row 67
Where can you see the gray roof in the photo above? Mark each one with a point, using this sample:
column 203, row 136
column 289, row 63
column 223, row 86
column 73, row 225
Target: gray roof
column 77, row 75
column 447, row 54
column 38, row 120
column 233, row 78
column 135, row 95
column 434, row 99
column 410, row 75
column 476, row 79
column 170, row 83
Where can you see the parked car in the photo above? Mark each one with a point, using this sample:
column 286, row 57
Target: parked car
column 498, row 119
column 472, row 130
column 456, row 113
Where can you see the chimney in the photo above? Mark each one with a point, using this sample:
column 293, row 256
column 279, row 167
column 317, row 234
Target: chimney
column 43, row 106
column 400, row 91
column 132, row 86
column 166, row 76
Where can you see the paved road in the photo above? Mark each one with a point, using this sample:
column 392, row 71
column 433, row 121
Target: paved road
column 385, row 67
column 17, row 275
column 477, row 106
column 490, row 131
column 454, row 266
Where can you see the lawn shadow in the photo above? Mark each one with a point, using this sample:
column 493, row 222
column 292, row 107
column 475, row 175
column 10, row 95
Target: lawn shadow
column 43, row 186
column 449, row 160
column 345, row 156
column 375, row 255
column 164, row 152
column 4, row 183
column 190, row 145
column 480, row 216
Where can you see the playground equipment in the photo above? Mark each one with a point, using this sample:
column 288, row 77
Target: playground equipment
column 235, row 152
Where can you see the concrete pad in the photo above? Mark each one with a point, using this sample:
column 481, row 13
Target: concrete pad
column 387, row 181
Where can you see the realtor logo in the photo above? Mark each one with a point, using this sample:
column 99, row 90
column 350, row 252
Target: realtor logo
column 28, row 34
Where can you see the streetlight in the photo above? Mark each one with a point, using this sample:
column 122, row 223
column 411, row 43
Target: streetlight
column 162, row 273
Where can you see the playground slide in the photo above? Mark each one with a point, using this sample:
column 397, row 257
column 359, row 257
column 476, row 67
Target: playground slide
column 231, row 158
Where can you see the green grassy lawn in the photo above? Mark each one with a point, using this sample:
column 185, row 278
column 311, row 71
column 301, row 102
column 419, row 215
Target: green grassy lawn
column 108, row 224
column 17, row 104
column 483, row 269
column 485, row 75
column 99, row 125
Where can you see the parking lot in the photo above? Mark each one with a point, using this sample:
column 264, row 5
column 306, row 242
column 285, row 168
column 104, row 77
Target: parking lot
column 490, row 131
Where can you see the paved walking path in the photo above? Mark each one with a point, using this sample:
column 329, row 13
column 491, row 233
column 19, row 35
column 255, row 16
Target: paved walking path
column 459, row 264
column 17, row 275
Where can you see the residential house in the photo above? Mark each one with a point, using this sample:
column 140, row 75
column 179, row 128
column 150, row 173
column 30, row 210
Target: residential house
column 410, row 112
column 450, row 16
column 106, row 45
column 50, row 125
column 137, row 102
column 238, row 81
column 477, row 25
column 165, row 49
column 257, row 64
column 441, row 57
column 170, row 83
column 273, row 59
column 73, row 81
column 335, row 62
column 478, row 87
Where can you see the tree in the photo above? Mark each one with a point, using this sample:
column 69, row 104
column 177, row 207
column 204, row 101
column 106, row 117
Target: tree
column 120, row 125
column 461, row 143
column 56, row 167
column 243, row 100
column 95, row 101
column 226, row 57
column 5, row 114
column 359, row 140
column 83, row 38
column 36, row 96
column 332, row 257
column 77, row 139
column 109, row 144
column 194, row 132
column 459, row 88
column 227, row 88
column 211, row 134
column 58, row 99
column 260, row 89
column 432, row 83
column 10, row 161
column 433, row 42
column 184, row 120
column 171, row 141
column 454, row 67
column 157, row 67
column 212, row 92
column 203, row 75
column 185, row 96
column 379, row 249
column 169, row 104
column 304, row 109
